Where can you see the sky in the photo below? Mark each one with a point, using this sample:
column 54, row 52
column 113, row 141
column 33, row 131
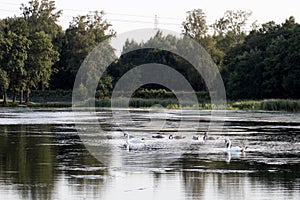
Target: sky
column 135, row 14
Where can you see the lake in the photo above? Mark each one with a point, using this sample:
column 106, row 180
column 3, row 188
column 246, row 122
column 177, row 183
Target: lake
column 65, row 154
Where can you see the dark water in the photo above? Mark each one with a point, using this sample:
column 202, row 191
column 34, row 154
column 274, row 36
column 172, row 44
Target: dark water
column 43, row 157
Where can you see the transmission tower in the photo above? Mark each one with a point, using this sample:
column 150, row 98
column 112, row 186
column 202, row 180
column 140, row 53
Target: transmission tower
column 155, row 23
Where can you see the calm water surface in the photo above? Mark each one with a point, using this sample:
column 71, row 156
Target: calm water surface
column 44, row 155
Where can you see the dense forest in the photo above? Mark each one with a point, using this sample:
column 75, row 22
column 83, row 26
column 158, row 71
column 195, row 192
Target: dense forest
column 37, row 54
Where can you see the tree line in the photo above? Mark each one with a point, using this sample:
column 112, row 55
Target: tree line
column 36, row 53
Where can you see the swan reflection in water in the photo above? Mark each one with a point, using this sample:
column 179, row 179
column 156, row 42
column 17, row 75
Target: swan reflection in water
column 229, row 155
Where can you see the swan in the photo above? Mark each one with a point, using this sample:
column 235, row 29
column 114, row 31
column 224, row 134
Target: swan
column 177, row 137
column 230, row 148
column 206, row 137
column 196, row 137
column 158, row 136
column 133, row 143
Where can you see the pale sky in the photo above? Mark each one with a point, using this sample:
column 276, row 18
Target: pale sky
column 133, row 14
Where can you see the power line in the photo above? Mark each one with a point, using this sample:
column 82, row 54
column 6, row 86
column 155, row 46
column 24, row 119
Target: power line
column 9, row 3
column 114, row 19
column 132, row 21
column 119, row 20
column 122, row 14
column 5, row 10
column 108, row 13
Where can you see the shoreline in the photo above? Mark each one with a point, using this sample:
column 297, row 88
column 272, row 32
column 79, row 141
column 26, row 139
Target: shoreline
column 288, row 105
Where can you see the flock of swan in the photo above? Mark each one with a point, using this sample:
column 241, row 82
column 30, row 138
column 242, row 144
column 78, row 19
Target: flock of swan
column 133, row 143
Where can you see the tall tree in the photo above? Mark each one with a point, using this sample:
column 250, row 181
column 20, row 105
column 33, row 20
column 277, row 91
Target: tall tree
column 4, row 84
column 41, row 58
column 82, row 36
column 41, row 15
column 232, row 26
column 195, row 27
column 15, row 64
column 266, row 64
column 14, row 49
column 195, row 24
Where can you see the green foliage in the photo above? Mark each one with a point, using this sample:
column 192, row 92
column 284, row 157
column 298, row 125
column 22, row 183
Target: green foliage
column 266, row 64
column 41, row 15
column 104, row 87
column 35, row 53
column 131, row 59
column 151, row 93
column 82, row 36
column 4, row 81
column 15, row 59
column 246, row 105
column 41, row 57
column 269, row 104
column 51, row 96
column 50, row 105
column 195, row 24
column 81, row 93
column 231, row 28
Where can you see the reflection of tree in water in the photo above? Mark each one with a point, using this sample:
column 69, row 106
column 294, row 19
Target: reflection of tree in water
column 30, row 158
column 194, row 183
column 84, row 171
column 33, row 157
column 202, row 176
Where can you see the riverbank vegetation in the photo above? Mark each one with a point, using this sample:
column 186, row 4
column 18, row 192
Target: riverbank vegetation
column 39, row 60
column 170, row 103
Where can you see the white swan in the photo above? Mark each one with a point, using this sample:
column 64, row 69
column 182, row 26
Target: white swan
column 232, row 149
column 133, row 143
column 177, row 137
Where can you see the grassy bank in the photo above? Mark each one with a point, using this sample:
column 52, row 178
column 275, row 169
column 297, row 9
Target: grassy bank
column 38, row 105
column 270, row 104
column 50, row 105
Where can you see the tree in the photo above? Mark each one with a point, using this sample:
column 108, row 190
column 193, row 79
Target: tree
column 41, row 58
column 15, row 62
column 82, row 36
column 4, row 84
column 283, row 61
column 196, row 28
column 145, row 54
column 266, row 64
column 105, row 86
column 232, row 26
column 195, row 24
column 18, row 28
column 41, row 16
column 14, row 52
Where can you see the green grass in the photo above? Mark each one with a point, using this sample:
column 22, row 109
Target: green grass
column 171, row 103
column 133, row 103
column 50, row 105
column 268, row 104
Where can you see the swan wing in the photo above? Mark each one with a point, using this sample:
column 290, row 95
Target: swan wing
column 236, row 148
column 135, row 140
